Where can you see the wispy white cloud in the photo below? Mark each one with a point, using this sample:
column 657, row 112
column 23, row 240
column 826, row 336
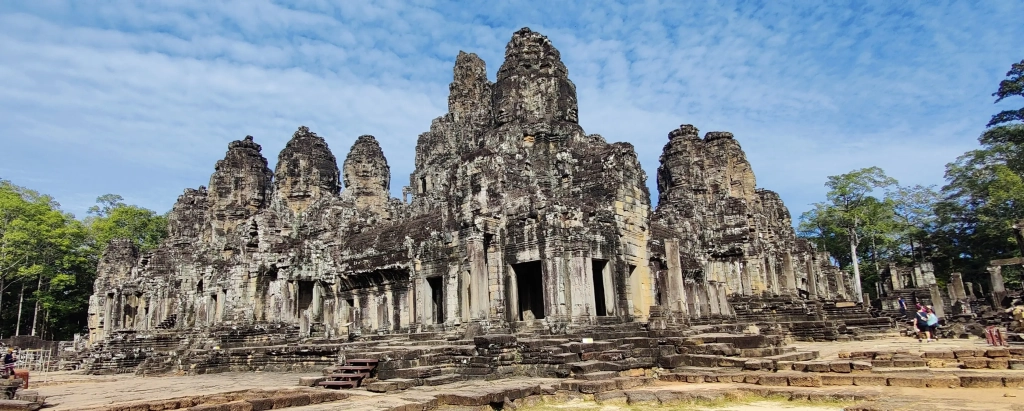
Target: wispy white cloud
column 141, row 98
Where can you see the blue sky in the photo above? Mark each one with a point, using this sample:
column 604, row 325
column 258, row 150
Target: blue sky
column 141, row 98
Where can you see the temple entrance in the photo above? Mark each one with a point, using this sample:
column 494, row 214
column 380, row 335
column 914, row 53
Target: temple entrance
column 530, row 287
column 305, row 295
column 436, row 299
column 600, row 305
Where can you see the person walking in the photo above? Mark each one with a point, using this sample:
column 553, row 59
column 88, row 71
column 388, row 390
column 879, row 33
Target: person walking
column 933, row 324
column 921, row 324
column 903, row 308
column 9, row 361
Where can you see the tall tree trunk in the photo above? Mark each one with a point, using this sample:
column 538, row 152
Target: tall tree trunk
column 874, row 254
column 2, row 288
column 856, row 267
column 35, row 313
column 21, row 300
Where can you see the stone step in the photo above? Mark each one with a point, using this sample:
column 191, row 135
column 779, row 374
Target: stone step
column 597, row 375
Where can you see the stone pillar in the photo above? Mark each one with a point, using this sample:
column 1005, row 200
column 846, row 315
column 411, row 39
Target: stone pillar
column 675, row 295
column 867, row 301
column 928, row 274
column 746, row 278
column 950, row 292
column 919, row 277
column 479, row 306
column 969, row 290
column 956, row 280
column 713, row 305
column 581, row 286
column 895, row 277
column 998, row 288
column 812, row 281
column 937, row 302
column 788, row 275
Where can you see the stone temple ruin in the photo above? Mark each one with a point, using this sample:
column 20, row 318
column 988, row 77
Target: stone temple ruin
column 515, row 222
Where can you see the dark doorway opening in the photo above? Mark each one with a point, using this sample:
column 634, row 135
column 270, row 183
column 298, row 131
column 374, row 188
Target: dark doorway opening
column 436, row 299
column 305, row 294
column 598, row 273
column 530, row 287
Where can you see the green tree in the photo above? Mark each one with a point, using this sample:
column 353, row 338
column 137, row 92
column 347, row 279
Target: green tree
column 914, row 209
column 984, row 193
column 38, row 243
column 1013, row 85
column 114, row 219
column 855, row 210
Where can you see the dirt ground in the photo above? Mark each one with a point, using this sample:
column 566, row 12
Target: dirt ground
column 69, row 391
column 75, row 391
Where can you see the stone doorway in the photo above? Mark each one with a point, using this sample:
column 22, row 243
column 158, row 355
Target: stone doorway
column 305, row 299
column 436, row 299
column 602, row 289
column 530, row 290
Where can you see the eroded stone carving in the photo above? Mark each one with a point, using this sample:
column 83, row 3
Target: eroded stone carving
column 518, row 221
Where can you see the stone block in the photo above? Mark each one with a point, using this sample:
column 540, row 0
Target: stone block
column 18, row 405
column 593, row 387
column 642, row 398
column 840, row 366
column 908, row 363
column 869, row 380
column 938, row 355
column 818, row 367
column 998, row 363
column 783, row 365
column 832, row 379
column 884, row 355
column 672, row 361
column 997, row 353
column 773, row 380
column 943, row 381
column 805, row 380
column 973, row 362
column 597, row 375
column 908, row 381
column 860, row 365
column 1016, row 364
column 610, row 397
column 881, row 363
column 291, row 400
column 965, row 353
column 981, row 381
column 1016, row 381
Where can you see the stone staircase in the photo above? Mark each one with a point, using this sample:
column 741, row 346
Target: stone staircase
column 351, row 374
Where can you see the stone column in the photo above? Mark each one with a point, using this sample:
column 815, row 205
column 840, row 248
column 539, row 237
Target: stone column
column 928, row 274
column 867, row 301
column 919, row 277
column 998, row 288
column 675, row 295
column 895, row 277
column 937, row 302
column 812, row 281
column 788, row 274
column 478, row 287
column 957, row 281
column 970, row 290
column 581, row 286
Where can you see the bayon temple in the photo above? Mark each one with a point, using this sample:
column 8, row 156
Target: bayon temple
column 515, row 221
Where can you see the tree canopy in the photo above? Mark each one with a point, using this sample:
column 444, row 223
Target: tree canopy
column 48, row 258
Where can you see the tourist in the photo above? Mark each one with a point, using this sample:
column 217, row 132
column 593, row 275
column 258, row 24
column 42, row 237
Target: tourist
column 9, row 361
column 933, row 324
column 903, row 308
column 921, row 324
